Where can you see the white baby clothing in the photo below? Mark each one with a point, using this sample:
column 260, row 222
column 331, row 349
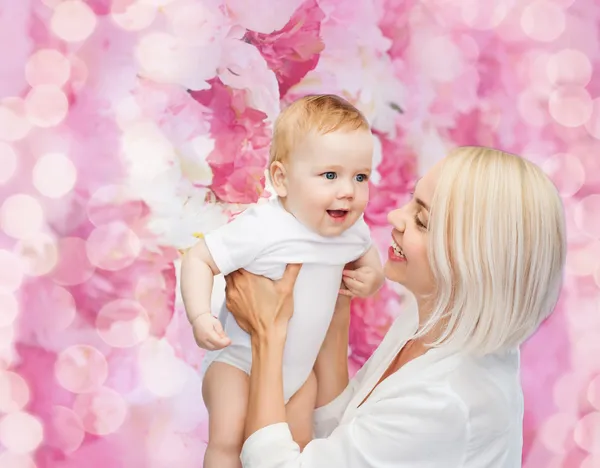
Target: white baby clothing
column 263, row 240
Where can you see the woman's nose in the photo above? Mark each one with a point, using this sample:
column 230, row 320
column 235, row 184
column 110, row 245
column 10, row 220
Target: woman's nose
column 396, row 219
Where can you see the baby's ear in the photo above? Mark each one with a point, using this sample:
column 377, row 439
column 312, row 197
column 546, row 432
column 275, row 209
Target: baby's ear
column 278, row 176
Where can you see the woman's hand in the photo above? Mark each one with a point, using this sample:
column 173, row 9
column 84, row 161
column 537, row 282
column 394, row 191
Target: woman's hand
column 259, row 304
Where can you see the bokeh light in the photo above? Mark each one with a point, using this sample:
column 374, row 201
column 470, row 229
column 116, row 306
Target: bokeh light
column 587, row 215
column 73, row 21
column 60, row 310
column 543, row 21
column 47, row 67
column 113, row 203
column 65, row 431
column 21, row 432
column 14, row 125
column 54, row 175
column 14, row 392
column 123, row 323
column 571, row 106
column 133, row 15
column 16, row 460
column 593, row 390
column 39, row 254
column 587, row 433
column 101, row 412
column 569, row 67
column 113, row 246
column 8, row 162
column 46, row 105
column 21, row 216
column 566, row 171
column 593, row 123
column 81, row 369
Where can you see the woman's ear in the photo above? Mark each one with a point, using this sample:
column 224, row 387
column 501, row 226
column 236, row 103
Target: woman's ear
column 278, row 178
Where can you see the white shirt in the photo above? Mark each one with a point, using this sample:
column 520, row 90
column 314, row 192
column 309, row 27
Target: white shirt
column 263, row 240
column 439, row 410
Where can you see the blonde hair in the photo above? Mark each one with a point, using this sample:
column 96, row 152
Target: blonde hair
column 323, row 113
column 497, row 248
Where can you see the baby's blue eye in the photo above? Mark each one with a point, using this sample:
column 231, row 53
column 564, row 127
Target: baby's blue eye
column 330, row 175
column 361, row 177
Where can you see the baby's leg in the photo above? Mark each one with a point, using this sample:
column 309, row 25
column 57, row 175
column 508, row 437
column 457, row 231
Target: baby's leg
column 299, row 411
column 225, row 393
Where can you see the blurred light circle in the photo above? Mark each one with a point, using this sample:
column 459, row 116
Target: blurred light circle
column 54, row 175
column 479, row 15
column 21, row 216
column 81, row 369
column 133, row 15
column 16, row 460
column 39, row 254
column 157, row 3
column 113, row 203
column 569, row 67
column 162, row 372
column 46, row 106
column 566, row 392
column 587, row 215
column 593, row 123
column 532, row 107
column 65, row 431
column 8, row 162
column 21, row 432
column 556, row 432
column 543, row 21
column 535, row 64
column 14, row 125
column 439, row 58
column 583, row 260
column 587, row 433
column 11, row 271
column 593, row 390
column 47, row 67
column 14, row 392
column 73, row 266
column 113, row 246
column 73, row 21
column 101, row 412
column 570, row 106
column 123, row 323
column 61, row 310
column 9, row 309
column 566, row 171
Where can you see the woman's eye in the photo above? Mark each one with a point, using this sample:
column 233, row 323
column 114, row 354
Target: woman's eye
column 329, row 175
column 362, row 177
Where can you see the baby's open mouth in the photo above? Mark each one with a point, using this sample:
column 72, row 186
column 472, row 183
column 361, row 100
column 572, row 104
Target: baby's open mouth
column 338, row 214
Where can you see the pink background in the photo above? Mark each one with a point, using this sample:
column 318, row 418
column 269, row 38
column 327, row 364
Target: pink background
column 126, row 126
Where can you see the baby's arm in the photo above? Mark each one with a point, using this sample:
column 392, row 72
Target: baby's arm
column 197, row 276
column 365, row 275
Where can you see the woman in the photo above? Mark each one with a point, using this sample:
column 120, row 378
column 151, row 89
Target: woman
column 481, row 246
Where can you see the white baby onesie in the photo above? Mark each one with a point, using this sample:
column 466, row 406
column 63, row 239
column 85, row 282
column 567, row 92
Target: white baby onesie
column 263, row 240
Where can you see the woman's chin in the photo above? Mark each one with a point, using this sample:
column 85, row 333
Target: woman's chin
column 394, row 272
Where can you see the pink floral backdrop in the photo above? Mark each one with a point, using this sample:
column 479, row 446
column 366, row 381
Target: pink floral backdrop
column 126, row 126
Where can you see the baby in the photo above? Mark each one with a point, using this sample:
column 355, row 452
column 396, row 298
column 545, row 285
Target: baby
column 320, row 165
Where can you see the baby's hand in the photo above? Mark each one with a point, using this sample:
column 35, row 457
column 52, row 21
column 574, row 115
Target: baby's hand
column 209, row 333
column 362, row 282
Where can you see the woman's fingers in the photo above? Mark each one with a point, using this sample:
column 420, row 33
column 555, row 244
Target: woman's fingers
column 290, row 275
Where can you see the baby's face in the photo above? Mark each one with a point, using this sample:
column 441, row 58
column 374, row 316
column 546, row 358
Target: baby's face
column 327, row 180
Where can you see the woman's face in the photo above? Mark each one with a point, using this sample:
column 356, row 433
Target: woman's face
column 408, row 262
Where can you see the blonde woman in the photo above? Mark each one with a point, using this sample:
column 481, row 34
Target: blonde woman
column 481, row 246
